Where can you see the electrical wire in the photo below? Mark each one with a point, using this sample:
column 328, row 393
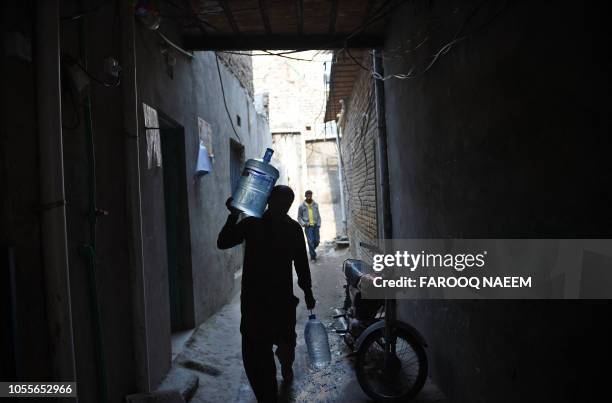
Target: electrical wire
column 84, row 13
column 355, row 144
column 441, row 51
column 195, row 16
column 174, row 45
column 377, row 15
column 364, row 128
column 229, row 115
column 361, row 136
column 268, row 53
column 323, row 102
column 97, row 80
column 71, row 60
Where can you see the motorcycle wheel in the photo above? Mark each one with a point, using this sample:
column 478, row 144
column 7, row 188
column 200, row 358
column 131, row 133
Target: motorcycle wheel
column 403, row 374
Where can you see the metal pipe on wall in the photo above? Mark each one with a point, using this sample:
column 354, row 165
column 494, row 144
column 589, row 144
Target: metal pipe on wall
column 134, row 199
column 52, row 198
column 89, row 250
column 383, row 162
column 341, row 179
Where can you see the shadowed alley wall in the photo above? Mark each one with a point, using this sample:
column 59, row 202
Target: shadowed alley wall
column 506, row 135
column 20, row 205
column 181, row 90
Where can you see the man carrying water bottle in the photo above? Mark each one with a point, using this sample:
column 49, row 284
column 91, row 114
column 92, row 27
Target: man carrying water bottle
column 310, row 219
column 274, row 243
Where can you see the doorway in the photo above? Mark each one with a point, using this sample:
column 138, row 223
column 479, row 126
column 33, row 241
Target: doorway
column 177, row 225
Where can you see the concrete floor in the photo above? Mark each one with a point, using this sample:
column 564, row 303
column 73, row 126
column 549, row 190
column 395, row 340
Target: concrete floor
column 178, row 341
column 213, row 352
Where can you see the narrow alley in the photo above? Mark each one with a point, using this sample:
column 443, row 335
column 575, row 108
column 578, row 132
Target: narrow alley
column 210, row 354
column 433, row 176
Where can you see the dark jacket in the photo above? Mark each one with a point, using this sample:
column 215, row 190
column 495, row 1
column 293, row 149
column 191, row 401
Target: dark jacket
column 273, row 245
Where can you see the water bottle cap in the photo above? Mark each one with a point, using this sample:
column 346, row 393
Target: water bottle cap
column 312, row 316
column 268, row 155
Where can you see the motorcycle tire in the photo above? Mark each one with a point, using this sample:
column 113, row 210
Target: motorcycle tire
column 369, row 368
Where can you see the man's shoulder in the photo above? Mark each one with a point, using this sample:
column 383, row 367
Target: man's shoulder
column 290, row 221
column 292, row 224
column 249, row 221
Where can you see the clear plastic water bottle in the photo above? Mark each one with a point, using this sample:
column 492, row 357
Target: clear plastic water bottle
column 256, row 183
column 317, row 343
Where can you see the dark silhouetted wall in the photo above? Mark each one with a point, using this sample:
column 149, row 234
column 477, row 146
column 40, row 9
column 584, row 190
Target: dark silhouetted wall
column 506, row 135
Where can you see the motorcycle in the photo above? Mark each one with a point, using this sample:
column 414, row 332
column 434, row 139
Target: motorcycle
column 391, row 362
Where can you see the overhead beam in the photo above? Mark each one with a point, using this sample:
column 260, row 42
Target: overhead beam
column 369, row 8
column 230, row 17
column 333, row 13
column 340, row 68
column 343, row 69
column 343, row 87
column 263, row 9
column 299, row 5
column 282, row 42
column 344, row 81
column 193, row 15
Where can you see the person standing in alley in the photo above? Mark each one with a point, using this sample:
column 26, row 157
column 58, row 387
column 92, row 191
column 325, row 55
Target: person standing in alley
column 310, row 219
column 273, row 244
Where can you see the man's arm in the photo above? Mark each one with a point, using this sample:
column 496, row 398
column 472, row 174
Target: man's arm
column 302, row 269
column 299, row 217
column 318, row 217
column 232, row 233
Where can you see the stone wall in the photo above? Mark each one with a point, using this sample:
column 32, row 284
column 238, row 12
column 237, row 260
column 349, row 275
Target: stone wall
column 296, row 91
column 241, row 67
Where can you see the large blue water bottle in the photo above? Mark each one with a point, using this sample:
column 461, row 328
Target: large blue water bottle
column 317, row 343
column 256, row 183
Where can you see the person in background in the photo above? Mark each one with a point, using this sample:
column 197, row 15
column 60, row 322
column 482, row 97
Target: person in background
column 310, row 219
column 274, row 243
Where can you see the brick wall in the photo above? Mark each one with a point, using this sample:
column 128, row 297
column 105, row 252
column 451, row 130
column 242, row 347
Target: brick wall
column 358, row 147
column 241, row 66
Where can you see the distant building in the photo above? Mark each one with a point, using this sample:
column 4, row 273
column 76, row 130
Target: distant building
column 294, row 93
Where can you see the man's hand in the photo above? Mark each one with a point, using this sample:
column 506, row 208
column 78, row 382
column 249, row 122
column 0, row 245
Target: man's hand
column 233, row 210
column 309, row 299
